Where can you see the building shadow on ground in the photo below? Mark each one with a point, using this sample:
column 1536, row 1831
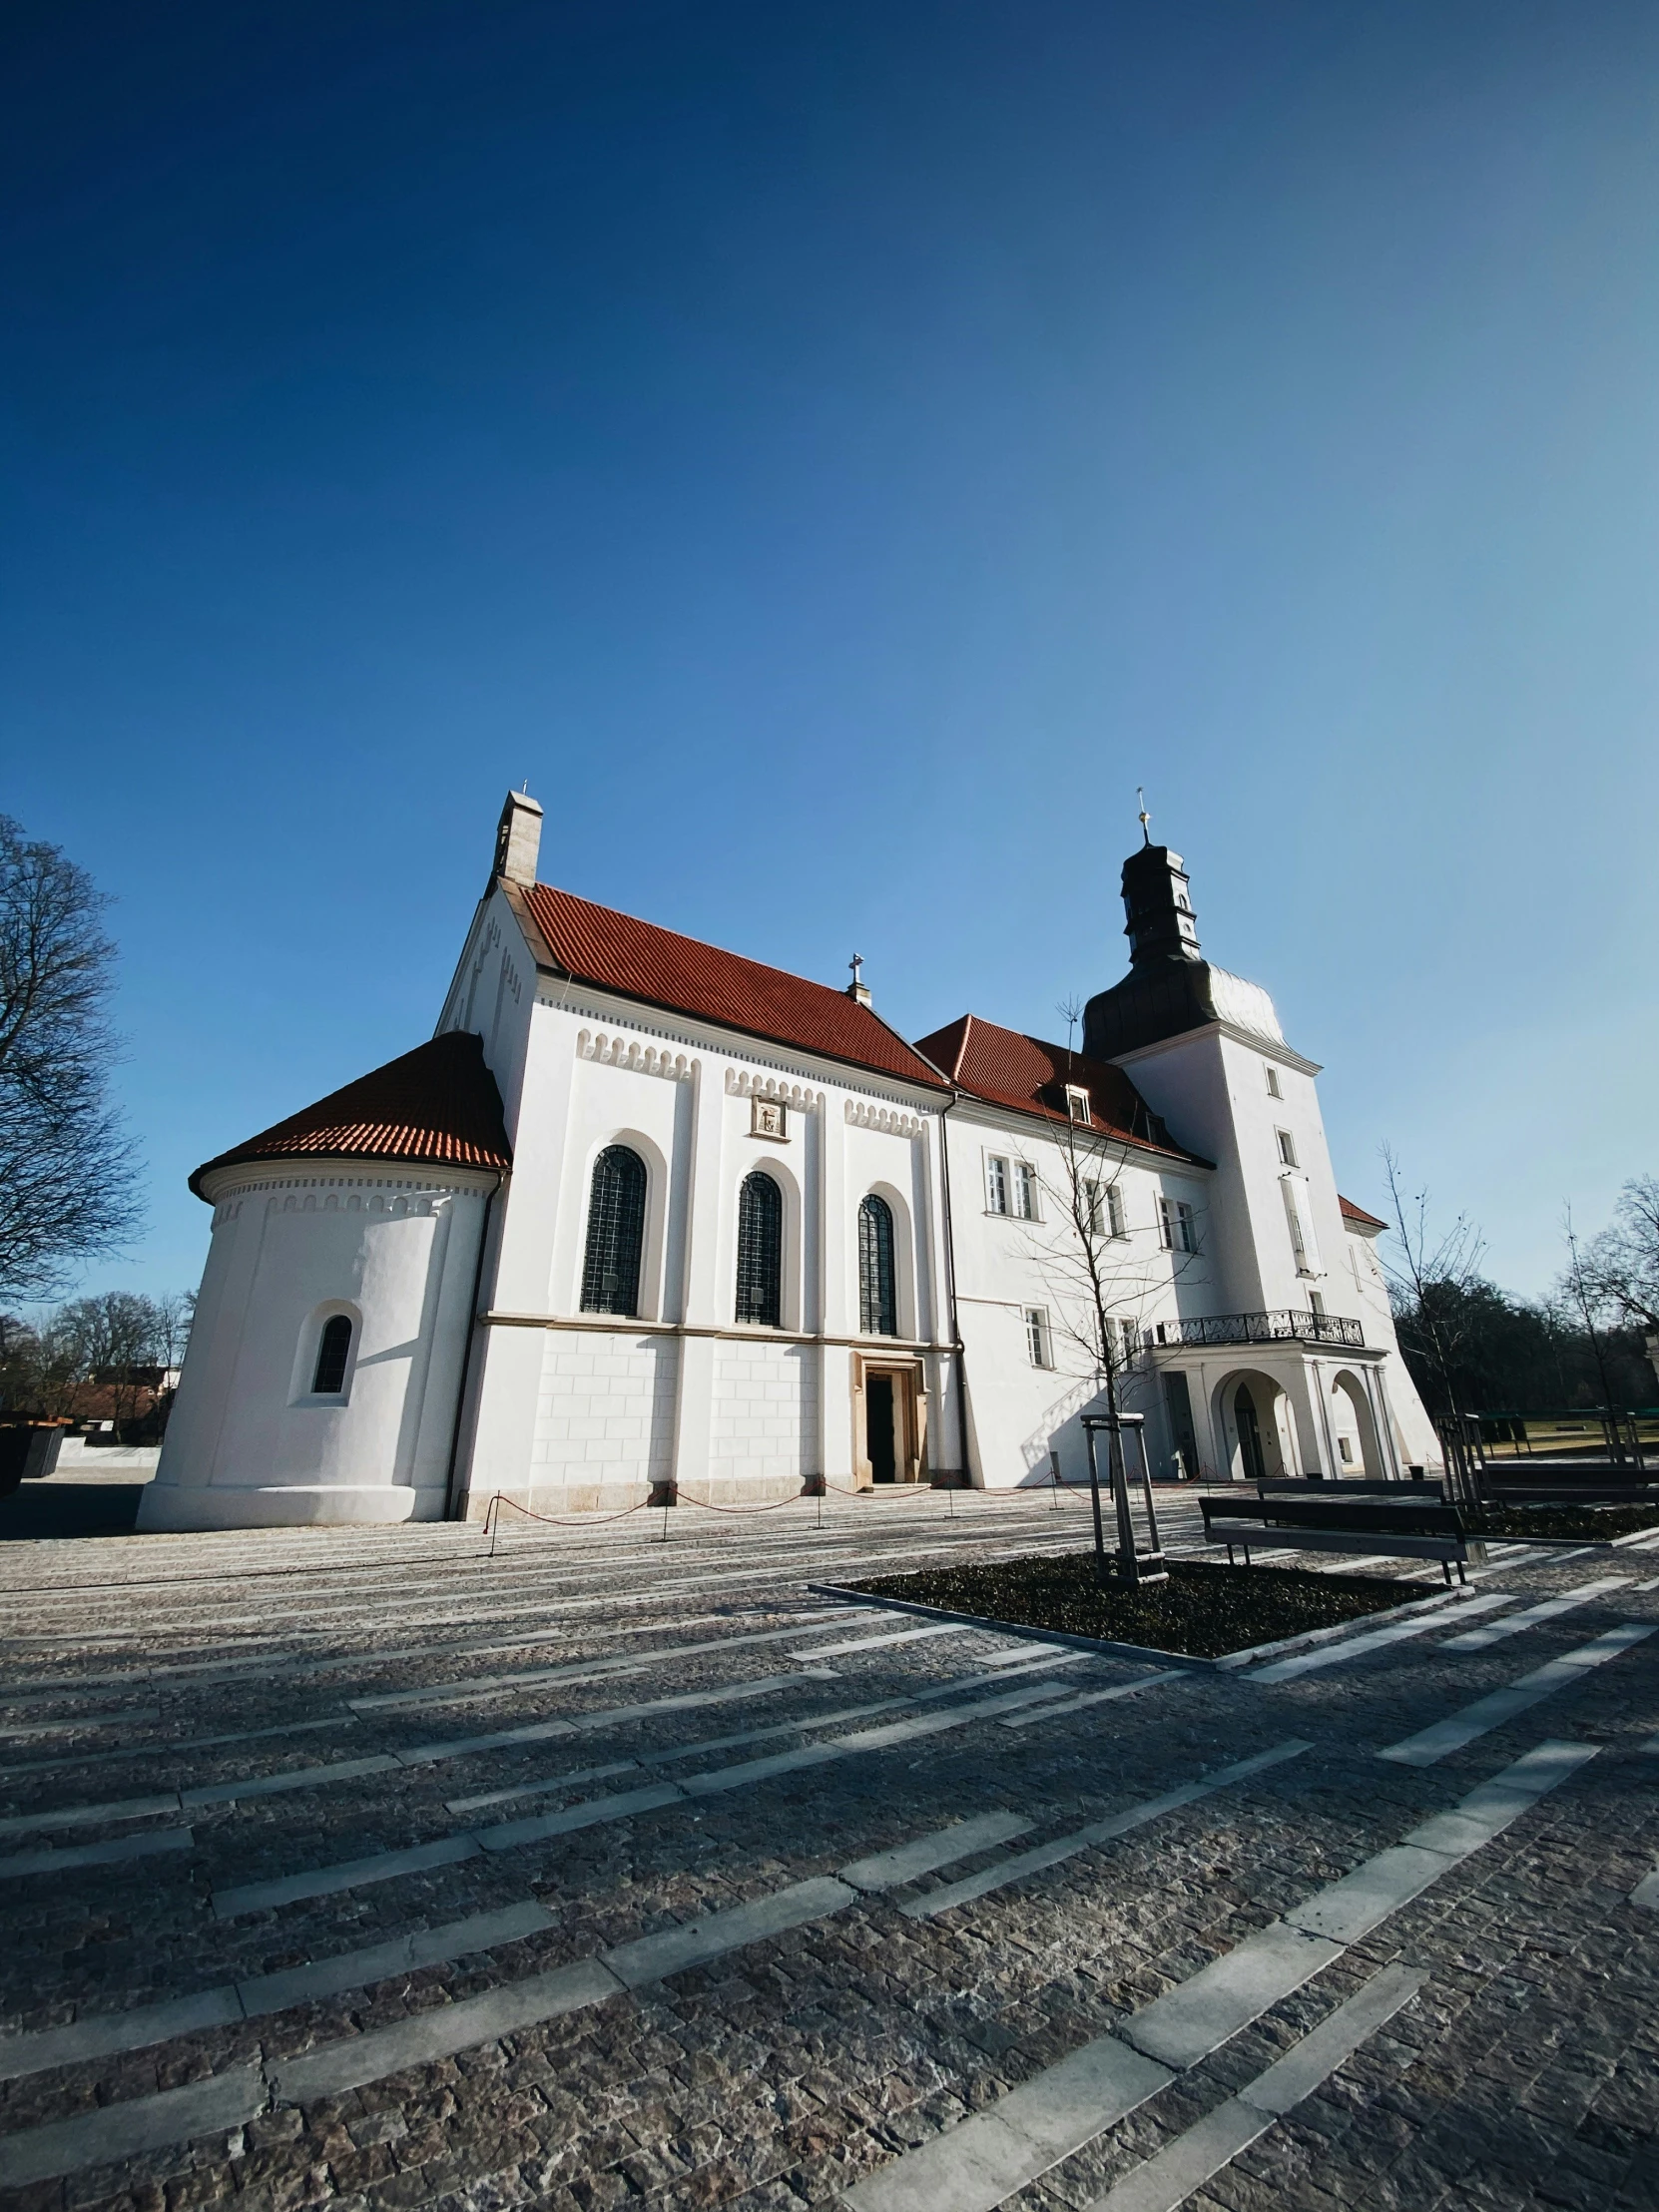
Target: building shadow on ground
column 37, row 1510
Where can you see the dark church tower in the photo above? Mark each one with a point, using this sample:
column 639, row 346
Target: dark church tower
column 1155, row 898
column 1168, row 989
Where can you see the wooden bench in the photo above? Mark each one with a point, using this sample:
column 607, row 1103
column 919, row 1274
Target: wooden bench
column 1416, row 1528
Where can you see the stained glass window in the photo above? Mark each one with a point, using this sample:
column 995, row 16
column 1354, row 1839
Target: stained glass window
column 616, row 1233
column 878, row 1287
column 333, row 1352
column 760, row 1251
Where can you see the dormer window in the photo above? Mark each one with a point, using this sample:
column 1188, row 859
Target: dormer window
column 1077, row 1105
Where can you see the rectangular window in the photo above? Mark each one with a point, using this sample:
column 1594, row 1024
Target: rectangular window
column 1036, row 1336
column 1286, row 1148
column 1120, row 1342
column 997, row 1185
column 1094, row 1208
column 1025, row 1190
column 1115, row 1218
column 1317, row 1305
column 1077, row 1104
column 1273, row 1082
column 1176, row 1228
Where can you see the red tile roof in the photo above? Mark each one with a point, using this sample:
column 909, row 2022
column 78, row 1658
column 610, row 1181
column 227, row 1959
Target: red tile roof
column 1007, row 1069
column 614, row 952
column 437, row 1103
column 1358, row 1214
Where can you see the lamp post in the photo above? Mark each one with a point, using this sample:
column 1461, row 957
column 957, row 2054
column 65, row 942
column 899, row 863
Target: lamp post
column 1129, row 1563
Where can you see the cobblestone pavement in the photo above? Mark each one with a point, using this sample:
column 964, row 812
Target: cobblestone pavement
column 363, row 1867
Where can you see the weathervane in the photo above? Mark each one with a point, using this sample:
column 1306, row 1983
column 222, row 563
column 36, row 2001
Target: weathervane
column 1146, row 819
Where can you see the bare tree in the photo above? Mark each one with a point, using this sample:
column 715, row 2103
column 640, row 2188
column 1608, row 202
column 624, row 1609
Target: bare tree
column 174, row 1316
column 1584, row 1294
column 1429, row 1281
column 67, row 1169
column 96, row 1354
column 1623, row 1262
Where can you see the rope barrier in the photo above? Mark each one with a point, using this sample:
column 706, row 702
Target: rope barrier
column 913, row 1492
column 492, row 1517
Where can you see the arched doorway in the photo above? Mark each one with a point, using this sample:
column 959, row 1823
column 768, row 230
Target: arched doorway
column 1252, row 1418
column 1252, row 1464
column 1359, row 1451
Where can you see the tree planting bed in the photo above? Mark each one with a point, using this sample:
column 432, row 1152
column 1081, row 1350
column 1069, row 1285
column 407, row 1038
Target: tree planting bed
column 1201, row 1612
column 1582, row 1523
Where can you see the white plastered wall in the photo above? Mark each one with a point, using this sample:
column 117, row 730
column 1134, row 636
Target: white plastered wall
column 573, row 1411
column 250, row 1445
column 1211, row 1088
column 1023, row 1414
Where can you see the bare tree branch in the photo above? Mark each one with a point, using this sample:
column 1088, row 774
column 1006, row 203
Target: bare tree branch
column 67, row 1170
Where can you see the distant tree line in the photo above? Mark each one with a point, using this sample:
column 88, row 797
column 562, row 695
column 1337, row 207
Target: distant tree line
column 101, row 1358
column 1472, row 1346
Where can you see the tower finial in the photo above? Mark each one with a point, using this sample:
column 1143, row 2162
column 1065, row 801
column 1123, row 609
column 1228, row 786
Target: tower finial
column 858, row 991
column 1146, row 819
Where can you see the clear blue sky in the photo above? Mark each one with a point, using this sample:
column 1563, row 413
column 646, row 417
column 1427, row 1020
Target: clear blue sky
column 834, row 452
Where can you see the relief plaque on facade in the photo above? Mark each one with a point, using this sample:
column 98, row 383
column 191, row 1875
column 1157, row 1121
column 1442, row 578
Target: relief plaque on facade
column 766, row 1119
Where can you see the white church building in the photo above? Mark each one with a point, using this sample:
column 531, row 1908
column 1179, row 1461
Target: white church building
column 645, row 1218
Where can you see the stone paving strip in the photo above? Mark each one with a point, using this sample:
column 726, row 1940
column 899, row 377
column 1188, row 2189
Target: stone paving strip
column 291, row 1779
column 106, row 2034
column 974, row 2165
column 592, row 1667
column 571, row 1674
column 1375, row 1639
column 225, row 2101
column 424, row 1755
column 1027, row 1862
column 1166, row 2181
column 1487, row 1713
column 98, row 1854
column 1494, row 1632
column 74, row 1723
column 1160, row 1678
column 314, row 1882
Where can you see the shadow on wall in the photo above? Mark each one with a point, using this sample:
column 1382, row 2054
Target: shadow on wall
column 40, row 1509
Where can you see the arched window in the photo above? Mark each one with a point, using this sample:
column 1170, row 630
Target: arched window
column 333, row 1352
column 616, row 1233
column 877, row 1288
column 760, row 1251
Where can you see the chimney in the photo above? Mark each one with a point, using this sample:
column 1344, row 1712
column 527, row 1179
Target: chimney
column 518, row 838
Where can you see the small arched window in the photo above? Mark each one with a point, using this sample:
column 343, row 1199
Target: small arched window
column 760, row 1251
column 333, row 1352
column 616, row 1233
column 877, row 1288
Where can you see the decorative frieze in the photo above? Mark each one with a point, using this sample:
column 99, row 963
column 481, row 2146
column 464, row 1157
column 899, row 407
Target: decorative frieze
column 632, row 1052
column 753, row 1083
column 863, row 1113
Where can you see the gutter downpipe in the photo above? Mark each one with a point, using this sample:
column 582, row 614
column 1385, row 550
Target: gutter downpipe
column 449, row 1512
column 957, row 1349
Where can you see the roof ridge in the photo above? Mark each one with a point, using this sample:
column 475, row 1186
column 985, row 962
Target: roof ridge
column 657, row 967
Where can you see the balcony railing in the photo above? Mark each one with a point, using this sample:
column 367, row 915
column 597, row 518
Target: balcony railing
column 1294, row 1324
